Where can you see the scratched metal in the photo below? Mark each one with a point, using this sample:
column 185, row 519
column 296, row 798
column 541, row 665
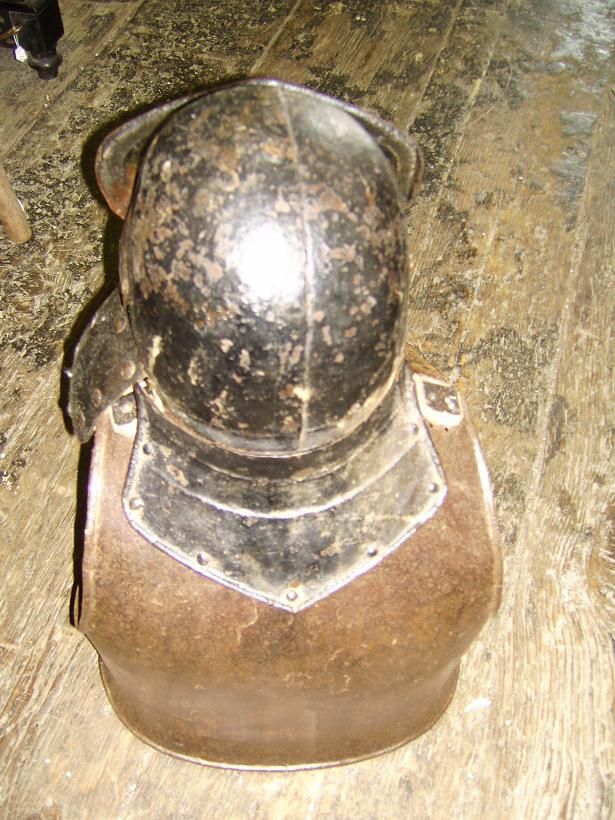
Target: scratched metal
column 291, row 541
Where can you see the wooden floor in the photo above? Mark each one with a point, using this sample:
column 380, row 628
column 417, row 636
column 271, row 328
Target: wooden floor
column 512, row 244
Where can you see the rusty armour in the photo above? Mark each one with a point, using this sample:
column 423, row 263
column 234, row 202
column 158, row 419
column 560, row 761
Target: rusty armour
column 290, row 539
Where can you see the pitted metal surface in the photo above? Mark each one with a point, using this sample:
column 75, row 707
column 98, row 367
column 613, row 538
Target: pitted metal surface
column 287, row 542
column 264, row 257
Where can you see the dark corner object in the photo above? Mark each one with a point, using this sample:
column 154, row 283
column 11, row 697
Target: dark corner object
column 32, row 29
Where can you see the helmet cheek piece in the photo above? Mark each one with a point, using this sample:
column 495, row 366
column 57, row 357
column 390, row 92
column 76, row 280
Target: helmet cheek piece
column 290, row 538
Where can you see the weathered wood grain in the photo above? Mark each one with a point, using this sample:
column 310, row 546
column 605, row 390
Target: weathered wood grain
column 512, row 277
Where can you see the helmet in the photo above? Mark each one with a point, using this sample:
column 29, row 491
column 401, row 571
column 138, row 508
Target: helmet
column 264, row 268
column 263, row 271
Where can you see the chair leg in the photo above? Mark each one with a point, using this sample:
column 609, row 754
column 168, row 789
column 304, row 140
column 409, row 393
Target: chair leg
column 12, row 214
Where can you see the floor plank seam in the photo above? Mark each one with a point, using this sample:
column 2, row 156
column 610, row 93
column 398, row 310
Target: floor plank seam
column 270, row 45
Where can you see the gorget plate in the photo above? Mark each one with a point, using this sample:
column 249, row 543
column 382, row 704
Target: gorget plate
column 289, row 542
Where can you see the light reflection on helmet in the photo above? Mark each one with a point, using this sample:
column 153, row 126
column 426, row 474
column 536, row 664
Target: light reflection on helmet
column 263, row 266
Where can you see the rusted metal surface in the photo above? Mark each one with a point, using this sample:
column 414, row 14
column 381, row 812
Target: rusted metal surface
column 284, row 472
column 206, row 672
column 119, row 155
column 438, row 401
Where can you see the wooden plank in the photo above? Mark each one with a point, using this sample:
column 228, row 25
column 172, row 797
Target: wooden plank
column 512, row 245
column 380, row 57
column 506, row 273
column 563, row 605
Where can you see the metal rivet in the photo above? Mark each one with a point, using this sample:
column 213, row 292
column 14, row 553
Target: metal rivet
column 433, row 487
column 127, row 370
column 372, row 551
column 148, row 449
column 202, row 558
column 135, row 503
column 414, row 428
column 291, row 595
column 97, row 397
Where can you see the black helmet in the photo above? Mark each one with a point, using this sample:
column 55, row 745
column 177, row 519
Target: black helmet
column 280, row 448
column 264, row 268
